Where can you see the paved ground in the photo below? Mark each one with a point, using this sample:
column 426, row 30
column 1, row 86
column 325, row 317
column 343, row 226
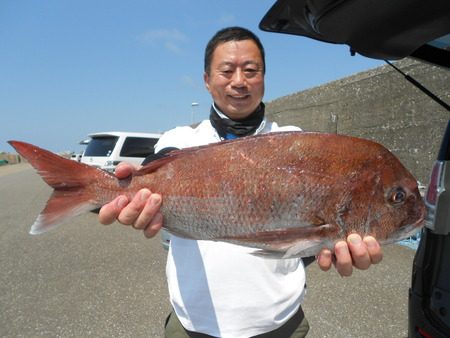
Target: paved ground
column 372, row 303
column 80, row 280
column 87, row 280
column 14, row 168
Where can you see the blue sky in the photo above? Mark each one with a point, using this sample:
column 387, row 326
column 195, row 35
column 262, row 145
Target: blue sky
column 69, row 68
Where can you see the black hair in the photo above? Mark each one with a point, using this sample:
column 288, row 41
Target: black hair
column 231, row 34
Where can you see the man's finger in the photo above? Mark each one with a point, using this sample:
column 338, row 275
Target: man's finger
column 374, row 249
column 359, row 252
column 325, row 259
column 109, row 212
column 149, row 211
column 154, row 226
column 344, row 264
column 131, row 212
column 123, row 170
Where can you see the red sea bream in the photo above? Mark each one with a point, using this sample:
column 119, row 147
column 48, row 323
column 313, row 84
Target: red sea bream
column 285, row 194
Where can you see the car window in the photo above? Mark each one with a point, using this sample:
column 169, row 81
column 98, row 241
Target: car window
column 101, row 146
column 138, row 147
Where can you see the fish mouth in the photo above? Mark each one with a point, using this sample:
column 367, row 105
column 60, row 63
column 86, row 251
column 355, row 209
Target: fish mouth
column 405, row 231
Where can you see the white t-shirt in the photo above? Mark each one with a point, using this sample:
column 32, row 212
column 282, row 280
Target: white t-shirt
column 221, row 289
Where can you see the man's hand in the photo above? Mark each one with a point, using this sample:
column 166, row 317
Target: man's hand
column 142, row 212
column 356, row 252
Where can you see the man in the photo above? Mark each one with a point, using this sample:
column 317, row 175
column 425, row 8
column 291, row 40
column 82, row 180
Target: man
column 219, row 289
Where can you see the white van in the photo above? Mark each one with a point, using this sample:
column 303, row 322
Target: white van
column 76, row 157
column 106, row 150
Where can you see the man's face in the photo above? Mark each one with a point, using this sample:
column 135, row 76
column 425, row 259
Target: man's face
column 236, row 78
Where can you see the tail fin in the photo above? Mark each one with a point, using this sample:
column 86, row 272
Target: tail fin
column 72, row 183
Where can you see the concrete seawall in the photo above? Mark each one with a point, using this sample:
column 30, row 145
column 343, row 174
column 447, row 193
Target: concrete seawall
column 378, row 104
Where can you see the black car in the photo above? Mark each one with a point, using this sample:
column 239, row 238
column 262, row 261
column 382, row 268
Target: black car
column 392, row 30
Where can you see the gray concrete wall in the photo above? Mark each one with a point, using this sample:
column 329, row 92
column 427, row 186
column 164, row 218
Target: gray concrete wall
column 378, row 104
column 11, row 158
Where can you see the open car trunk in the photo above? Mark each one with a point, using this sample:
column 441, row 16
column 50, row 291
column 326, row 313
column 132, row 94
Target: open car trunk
column 380, row 29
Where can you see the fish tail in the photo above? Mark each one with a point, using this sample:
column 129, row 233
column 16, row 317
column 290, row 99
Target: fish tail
column 74, row 185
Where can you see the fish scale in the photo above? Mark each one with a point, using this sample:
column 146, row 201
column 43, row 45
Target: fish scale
column 287, row 194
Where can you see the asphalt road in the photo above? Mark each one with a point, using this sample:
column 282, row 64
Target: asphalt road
column 82, row 279
column 88, row 280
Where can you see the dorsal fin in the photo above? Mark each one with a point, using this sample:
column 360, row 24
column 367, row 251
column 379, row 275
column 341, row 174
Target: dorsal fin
column 154, row 165
column 172, row 155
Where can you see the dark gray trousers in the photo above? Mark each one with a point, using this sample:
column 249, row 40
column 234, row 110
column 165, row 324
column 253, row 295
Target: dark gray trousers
column 296, row 327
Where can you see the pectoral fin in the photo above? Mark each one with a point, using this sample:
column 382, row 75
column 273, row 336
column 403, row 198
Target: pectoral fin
column 288, row 242
column 302, row 248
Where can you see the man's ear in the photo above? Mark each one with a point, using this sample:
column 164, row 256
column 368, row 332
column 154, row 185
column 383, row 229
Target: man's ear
column 206, row 80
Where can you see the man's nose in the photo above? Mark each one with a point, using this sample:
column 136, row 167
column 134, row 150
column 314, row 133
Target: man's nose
column 238, row 79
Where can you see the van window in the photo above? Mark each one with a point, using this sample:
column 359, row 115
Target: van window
column 101, row 146
column 138, row 147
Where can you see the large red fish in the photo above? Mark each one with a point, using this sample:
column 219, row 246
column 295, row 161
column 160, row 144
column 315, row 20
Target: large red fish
column 287, row 194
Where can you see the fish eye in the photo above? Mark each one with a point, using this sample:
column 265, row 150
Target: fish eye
column 397, row 196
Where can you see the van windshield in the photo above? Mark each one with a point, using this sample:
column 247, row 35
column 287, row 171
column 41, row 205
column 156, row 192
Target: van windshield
column 101, row 146
column 138, row 147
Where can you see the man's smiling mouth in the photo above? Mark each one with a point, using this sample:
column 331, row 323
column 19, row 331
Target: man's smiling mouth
column 239, row 97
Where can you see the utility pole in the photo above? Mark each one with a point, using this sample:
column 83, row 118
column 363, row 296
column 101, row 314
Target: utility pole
column 193, row 105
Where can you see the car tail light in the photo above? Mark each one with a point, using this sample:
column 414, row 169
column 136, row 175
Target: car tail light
column 433, row 187
column 432, row 195
column 437, row 199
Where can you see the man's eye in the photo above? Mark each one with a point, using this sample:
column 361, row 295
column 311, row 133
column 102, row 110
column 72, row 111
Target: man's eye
column 226, row 71
column 250, row 72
